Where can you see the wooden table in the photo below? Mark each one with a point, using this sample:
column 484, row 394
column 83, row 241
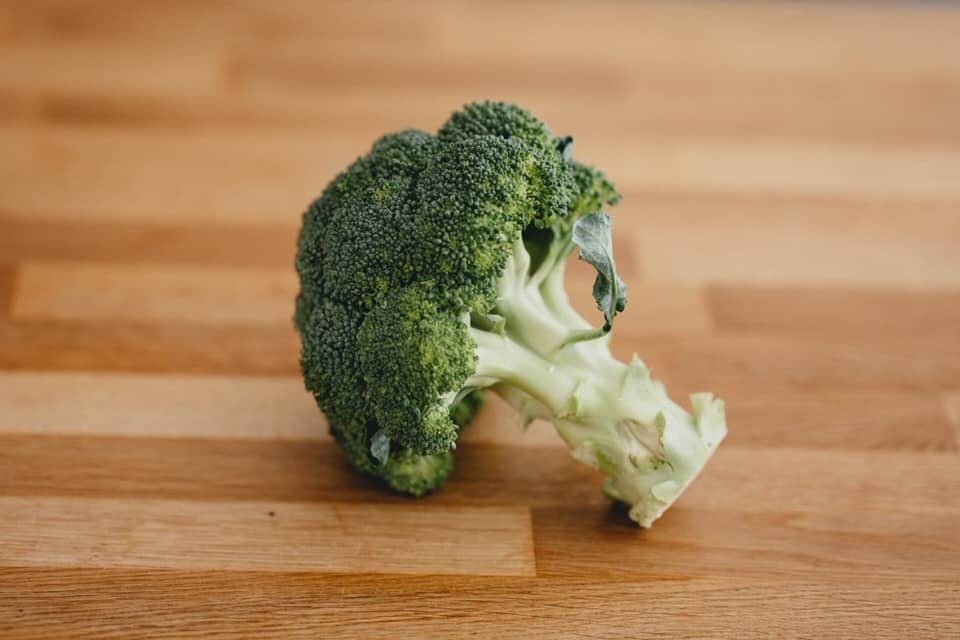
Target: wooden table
column 791, row 235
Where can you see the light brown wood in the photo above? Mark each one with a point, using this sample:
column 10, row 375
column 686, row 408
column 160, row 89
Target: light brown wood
column 167, row 348
column 761, row 239
column 952, row 401
column 237, row 536
column 71, row 291
column 171, row 405
column 178, row 603
column 797, row 480
column 152, row 243
column 835, row 311
column 790, row 233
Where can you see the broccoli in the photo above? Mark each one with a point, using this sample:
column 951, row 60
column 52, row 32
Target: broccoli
column 433, row 268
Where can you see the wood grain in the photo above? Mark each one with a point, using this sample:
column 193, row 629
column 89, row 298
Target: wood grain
column 789, row 234
column 159, row 405
column 132, row 346
column 887, row 419
column 803, row 363
column 100, row 174
column 757, row 238
column 722, row 543
column 151, row 293
column 207, row 406
column 178, row 603
column 152, row 243
column 952, row 402
column 769, row 479
column 834, row 311
column 63, row 532
column 49, row 65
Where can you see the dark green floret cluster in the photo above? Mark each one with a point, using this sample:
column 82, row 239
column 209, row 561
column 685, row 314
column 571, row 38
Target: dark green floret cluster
column 432, row 268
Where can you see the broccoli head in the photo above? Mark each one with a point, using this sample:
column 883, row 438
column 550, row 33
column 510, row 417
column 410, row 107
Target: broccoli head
column 432, row 268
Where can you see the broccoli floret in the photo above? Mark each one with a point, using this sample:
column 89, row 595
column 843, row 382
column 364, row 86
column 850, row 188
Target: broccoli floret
column 415, row 356
column 432, row 268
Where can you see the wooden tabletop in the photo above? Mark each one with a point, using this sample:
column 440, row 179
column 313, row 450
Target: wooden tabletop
column 790, row 231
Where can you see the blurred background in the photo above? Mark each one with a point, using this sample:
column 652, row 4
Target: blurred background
column 790, row 232
column 790, row 172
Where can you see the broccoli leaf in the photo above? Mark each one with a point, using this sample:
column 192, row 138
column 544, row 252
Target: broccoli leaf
column 592, row 233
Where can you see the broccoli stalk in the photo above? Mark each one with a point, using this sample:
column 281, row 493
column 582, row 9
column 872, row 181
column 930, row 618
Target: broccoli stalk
column 612, row 415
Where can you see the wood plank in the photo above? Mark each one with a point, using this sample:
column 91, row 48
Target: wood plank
column 192, row 406
column 667, row 101
column 181, row 469
column 262, row 177
column 201, row 406
column 767, row 239
column 151, row 293
column 739, row 478
column 783, row 479
column 269, row 71
column 159, row 406
column 667, row 85
column 845, row 420
column 773, row 36
column 131, row 68
column 791, row 544
column 834, row 311
column 829, row 101
column 116, row 346
column 783, row 36
column 671, row 85
column 732, row 363
column 219, row 604
column 712, row 93
column 59, row 532
column 810, row 511
column 259, row 178
column 264, row 470
column 156, row 243
column 195, row 24
column 798, row 167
